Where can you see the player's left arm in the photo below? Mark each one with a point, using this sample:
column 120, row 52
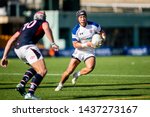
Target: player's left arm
column 49, row 35
column 101, row 32
column 103, row 35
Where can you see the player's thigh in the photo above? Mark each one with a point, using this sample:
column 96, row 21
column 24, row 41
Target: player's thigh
column 90, row 62
column 33, row 54
column 35, row 59
column 39, row 66
column 72, row 65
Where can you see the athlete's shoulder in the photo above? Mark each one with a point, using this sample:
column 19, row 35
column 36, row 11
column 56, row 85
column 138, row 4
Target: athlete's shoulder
column 74, row 30
column 93, row 23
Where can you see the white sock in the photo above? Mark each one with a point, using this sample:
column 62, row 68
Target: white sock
column 78, row 74
column 60, row 84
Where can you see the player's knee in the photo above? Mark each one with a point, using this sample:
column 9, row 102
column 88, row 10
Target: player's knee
column 43, row 72
column 90, row 68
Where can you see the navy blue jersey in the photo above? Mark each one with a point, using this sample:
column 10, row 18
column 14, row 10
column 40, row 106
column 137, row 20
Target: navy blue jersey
column 30, row 33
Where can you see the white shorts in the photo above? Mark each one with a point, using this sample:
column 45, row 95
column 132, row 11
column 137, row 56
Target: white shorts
column 83, row 55
column 29, row 53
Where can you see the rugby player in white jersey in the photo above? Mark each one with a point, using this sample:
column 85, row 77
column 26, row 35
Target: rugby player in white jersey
column 84, row 51
column 25, row 47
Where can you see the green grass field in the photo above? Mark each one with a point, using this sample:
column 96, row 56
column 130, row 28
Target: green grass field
column 114, row 78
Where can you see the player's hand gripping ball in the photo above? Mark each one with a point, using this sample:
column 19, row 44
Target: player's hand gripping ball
column 97, row 40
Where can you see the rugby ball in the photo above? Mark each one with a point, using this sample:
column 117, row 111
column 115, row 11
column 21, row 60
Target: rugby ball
column 96, row 40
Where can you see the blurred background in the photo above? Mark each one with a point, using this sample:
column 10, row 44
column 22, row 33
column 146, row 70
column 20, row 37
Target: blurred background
column 126, row 23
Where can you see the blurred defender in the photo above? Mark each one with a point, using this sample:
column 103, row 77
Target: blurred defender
column 25, row 48
column 84, row 51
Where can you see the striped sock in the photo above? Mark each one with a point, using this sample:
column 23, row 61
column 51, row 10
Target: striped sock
column 35, row 83
column 27, row 76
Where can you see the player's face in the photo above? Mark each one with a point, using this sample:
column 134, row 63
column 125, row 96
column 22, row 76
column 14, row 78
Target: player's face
column 82, row 20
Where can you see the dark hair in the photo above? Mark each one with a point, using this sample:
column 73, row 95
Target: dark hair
column 81, row 12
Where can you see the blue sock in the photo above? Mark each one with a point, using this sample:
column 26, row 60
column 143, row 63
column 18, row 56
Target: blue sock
column 27, row 76
column 36, row 80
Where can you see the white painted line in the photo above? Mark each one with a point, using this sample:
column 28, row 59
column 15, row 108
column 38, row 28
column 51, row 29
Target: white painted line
column 103, row 75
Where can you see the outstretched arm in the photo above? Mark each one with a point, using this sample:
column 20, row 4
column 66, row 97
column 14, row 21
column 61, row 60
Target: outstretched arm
column 9, row 44
column 49, row 35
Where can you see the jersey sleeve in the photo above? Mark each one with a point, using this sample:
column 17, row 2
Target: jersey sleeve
column 74, row 33
column 74, row 37
column 97, row 27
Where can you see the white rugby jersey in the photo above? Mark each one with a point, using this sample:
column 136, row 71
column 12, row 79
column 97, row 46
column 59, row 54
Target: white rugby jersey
column 84, row 34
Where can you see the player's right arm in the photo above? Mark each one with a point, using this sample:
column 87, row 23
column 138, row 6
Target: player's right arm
column 77, row 44
column 75, row 40
column 9, row 44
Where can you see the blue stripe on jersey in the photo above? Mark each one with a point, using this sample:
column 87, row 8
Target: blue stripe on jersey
column 93, row 23
column 74, row 39
column 74, row 30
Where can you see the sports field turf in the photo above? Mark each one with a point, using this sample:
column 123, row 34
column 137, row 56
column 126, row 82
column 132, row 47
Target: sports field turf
column 114, row 78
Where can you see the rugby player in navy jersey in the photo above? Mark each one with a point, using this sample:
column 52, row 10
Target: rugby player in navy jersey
column 84, row 50
column 25, row 47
